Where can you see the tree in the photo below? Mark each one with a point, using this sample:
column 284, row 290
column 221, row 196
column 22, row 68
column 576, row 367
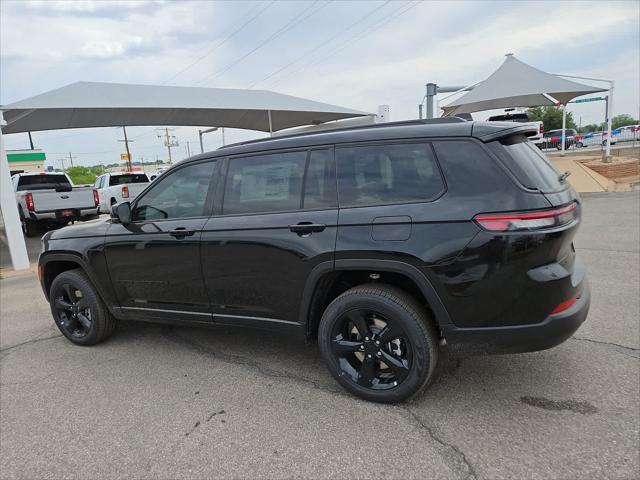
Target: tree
column 82, row 175
column 592, row 127
column 551, row 117
column 623, row 120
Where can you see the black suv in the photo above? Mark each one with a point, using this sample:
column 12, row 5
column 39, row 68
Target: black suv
column 382, row 242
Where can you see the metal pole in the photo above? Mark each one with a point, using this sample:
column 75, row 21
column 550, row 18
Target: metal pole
column 126, row 144
column 270, row 123
column 564, row 127
column 607, row 154
column 222, row 136
column 166, row 132
column 12, row 228
column 31, row 141
column 432, row 90
column 201, row 146
column 420, row 111
column 188, row 149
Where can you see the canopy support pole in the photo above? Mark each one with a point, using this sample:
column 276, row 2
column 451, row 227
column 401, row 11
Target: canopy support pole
column 607, row 153
column 12, row 227
column 270, row 123
column 564, row 127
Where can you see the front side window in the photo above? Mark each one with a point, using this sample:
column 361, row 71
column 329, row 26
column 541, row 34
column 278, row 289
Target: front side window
column 385, row 174
column 180, row 194
column 264, row 183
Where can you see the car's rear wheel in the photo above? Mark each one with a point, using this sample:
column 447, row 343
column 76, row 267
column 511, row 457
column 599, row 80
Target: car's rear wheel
column 77, row 309
column 379, row 343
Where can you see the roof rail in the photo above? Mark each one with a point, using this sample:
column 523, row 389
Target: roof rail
column 428, row 121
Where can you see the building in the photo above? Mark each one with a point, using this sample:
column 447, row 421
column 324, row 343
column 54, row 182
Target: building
column 21, row 161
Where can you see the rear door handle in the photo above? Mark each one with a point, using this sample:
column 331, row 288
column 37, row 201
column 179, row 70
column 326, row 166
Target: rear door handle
column 181, row 232
column 303, row 228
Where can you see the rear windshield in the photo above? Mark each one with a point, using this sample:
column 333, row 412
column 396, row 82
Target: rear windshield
column 41, row 182
column 529, row 165
column 132, row 178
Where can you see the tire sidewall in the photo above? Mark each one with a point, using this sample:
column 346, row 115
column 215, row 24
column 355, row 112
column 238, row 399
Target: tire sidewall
column 420, row 367
column 80, row 281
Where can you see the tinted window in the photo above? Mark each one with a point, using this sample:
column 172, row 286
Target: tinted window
column 529, row 165
column 383, row 174
column 320, row 183
column 128, row 178
column 42, row 182
column 264, row 183
column 182, row 193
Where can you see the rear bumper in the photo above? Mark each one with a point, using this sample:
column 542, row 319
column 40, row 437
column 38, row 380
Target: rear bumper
column 51, row 215
column 554, row 330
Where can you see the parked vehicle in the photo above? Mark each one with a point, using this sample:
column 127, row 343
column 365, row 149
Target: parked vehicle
column 51, row 198
column 510, row 115
column 118, row 186
column 382, row 242
column 553, row 139
column 595, row 138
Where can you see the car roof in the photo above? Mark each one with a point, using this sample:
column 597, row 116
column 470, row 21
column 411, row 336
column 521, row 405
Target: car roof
column 434, row 128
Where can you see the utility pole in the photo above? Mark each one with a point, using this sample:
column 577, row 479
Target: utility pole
column 71, row 159
column 31, row 141
column 126, row 144
column 169, row 141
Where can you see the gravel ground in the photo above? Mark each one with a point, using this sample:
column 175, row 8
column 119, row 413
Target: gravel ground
column 174, row 402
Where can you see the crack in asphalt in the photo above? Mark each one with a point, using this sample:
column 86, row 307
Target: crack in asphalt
column 169, row 333
column 7, row 350
column 461, row 456
column 622, row 349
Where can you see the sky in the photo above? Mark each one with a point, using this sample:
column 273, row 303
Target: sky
column 357, row 54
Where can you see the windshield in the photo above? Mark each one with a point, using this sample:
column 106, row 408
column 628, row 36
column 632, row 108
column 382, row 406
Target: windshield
column 129, row 178
column 42, row 182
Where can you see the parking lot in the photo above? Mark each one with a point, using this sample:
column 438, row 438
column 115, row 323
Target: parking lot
column 173, row 402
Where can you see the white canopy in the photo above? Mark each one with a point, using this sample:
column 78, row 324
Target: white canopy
column 516, row 84
column 96, row 104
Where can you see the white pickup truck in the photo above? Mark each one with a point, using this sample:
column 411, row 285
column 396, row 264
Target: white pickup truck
column 119, row 186
column 51, row 198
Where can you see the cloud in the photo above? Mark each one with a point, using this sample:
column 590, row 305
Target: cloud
column 48, row 44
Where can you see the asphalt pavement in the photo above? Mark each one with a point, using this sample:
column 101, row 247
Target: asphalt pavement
column 174, row 402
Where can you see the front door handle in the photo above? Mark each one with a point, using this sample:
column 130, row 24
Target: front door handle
column 306, row 228
column 181, row 232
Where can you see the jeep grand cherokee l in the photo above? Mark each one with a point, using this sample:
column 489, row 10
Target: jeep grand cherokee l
column 382, row 242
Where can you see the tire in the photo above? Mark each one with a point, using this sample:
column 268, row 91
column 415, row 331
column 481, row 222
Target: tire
column 411, row 343
column 579, row 145
column 29, row 226
column 82, row 318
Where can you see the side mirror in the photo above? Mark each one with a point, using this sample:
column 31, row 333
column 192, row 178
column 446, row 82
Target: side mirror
column 121, row 212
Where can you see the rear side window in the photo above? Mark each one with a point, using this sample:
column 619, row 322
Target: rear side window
column 264, row 183
column 529, row 165
column 320, row 184
column 41, row 182
column 122, row 179
column 385, row 174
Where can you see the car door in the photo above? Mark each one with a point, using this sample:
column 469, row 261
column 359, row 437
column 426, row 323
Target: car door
column 275, row 222
column 154, row 261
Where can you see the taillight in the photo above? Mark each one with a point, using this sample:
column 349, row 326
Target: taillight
column 40, row 272
column 96, row 199
column 28, row 198
column 514, row 222
column 566, row 305
column 125, row 192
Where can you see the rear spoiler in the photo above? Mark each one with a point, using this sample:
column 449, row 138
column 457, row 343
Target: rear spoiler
column 488, row 133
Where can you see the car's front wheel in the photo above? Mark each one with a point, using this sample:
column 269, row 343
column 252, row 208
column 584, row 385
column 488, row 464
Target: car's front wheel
column 77, row 309
column 379, row 343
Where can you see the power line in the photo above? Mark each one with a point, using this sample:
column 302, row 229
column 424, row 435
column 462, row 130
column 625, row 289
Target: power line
column 288, row 26
column 357, row 37
column 221, row 42
column 322, row 44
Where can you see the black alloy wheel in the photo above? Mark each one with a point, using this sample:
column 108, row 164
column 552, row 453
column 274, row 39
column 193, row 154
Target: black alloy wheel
column 379, row 343
column 72, row 311
column 373, row 351
column 78, row 310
